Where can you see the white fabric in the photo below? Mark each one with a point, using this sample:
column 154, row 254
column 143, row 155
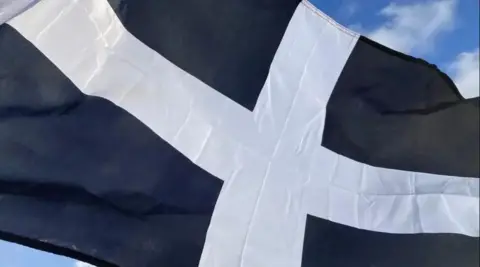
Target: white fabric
column 271, row 160
column 10, row 8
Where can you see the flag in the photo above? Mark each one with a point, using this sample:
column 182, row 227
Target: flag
column 228, row 133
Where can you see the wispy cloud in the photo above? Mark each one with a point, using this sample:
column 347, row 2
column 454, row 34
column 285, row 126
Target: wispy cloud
column 349, row 9
column 415, row 26
column 82, row 264
column 465, row 72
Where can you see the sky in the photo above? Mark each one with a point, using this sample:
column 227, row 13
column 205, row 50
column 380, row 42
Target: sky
column 443, row 32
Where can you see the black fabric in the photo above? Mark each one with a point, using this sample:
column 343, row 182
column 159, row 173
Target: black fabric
column 394, row 111
column 335, row 245
column 81, row 177
column 228, row 44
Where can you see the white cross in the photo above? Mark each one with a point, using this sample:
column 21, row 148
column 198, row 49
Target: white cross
column 274, row 169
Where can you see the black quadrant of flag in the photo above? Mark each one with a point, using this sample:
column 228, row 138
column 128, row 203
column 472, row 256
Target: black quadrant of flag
column 331, row 244
column 82, row 177
column 394, row 111
column 227, row 44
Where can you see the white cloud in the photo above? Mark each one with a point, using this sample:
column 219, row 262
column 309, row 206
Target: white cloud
column 465, row 72
column 414, row 26
column 82, row 264
column 349, row 9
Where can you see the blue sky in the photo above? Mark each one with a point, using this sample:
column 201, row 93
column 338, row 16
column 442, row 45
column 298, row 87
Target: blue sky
column 444, row 32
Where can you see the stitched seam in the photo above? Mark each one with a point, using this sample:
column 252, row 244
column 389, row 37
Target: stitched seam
column 328, row 19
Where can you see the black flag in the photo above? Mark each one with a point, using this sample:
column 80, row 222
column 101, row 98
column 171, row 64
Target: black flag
column 229, row 133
